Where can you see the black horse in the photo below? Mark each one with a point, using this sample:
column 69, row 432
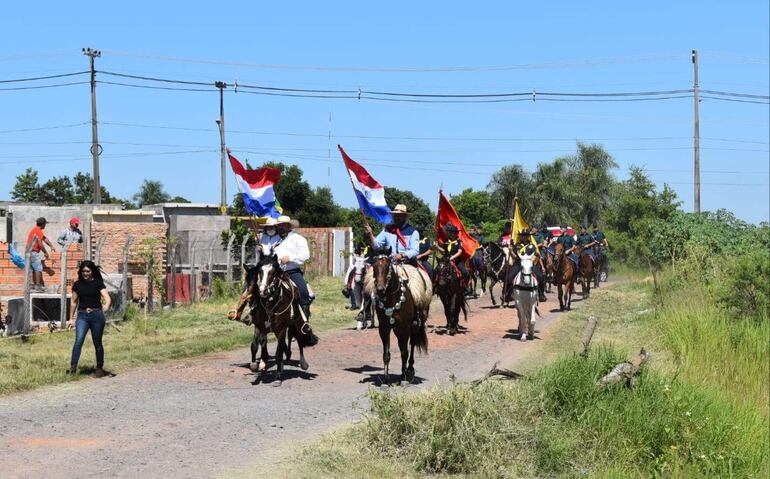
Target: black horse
column 496, row 264
column 450, row 289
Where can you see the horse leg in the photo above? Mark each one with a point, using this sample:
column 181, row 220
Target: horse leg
column 279, row 357
column 492, row 283
column 302, row 361
column 410, row 368
column 403, row 347
column 560, row 292
column 522, row 313
column 287, row 346
column 385, row 338
column 570, row 285
column 532, row 318
column 254, row 348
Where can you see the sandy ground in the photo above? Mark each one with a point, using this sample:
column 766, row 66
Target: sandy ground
column 203, row 416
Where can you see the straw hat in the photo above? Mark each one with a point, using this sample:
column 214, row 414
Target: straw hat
column 283, row 219
column 400, row 210
column 270, row 221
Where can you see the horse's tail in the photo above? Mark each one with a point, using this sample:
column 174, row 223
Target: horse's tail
column 420, row 338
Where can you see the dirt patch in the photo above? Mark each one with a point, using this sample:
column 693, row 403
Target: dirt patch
column 199, row 417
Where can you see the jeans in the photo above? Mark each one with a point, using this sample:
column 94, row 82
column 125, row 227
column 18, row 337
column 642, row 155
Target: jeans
column 95, row 322
column 36, row 261
column 299, row 280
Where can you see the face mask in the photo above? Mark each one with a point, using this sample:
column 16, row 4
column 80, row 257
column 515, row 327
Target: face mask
column 270, row 231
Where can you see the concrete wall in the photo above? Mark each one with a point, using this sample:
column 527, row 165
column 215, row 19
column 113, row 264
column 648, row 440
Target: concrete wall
column 203, row 231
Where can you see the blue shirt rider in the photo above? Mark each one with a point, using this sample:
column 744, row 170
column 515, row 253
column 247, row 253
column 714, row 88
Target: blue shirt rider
column 402, row 238
column 569, row 244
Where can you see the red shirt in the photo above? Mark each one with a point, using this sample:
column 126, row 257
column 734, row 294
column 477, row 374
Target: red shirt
column 36, row 231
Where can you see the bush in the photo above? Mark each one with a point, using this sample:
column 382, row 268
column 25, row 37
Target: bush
column 222, row 289
column 745, row 284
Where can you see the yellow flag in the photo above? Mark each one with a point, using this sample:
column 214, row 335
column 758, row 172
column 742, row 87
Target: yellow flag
column 518, row 224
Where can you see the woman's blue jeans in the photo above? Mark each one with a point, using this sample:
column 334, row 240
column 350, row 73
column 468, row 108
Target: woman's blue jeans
column 94, row 321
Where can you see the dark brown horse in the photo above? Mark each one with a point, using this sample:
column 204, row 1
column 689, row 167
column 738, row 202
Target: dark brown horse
column 280, row 312
column 564, row 275
column 496, row 264
column 450, row 289
column 600, row 264
column 586, row 270
column 397, row 311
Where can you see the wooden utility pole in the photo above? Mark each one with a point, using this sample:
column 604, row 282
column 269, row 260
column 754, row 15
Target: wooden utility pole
column 696, row 138
column 92, row 54
column 221, row 122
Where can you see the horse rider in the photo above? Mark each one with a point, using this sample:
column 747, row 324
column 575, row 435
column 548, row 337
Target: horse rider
column 603, row 244
column 402, row 238
column 586, row 240
column 543, row 236
column 505, row 237
column 453, row 248
column 292, row 251
column 478, row 257
column 523, row 247
column 424, row 253
column 569, row 246
column 357, row 263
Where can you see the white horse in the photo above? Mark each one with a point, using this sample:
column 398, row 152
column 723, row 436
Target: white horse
column 525, row 293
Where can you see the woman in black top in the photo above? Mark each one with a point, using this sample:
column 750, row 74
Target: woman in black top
column 87, row 295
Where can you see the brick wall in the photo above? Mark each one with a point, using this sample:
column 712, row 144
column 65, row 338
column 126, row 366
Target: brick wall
column 111, row 256
column 12, row 277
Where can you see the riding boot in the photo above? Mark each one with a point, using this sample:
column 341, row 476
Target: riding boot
column 306, row 329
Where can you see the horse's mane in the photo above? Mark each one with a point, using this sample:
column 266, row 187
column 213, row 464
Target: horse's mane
column 420, row 285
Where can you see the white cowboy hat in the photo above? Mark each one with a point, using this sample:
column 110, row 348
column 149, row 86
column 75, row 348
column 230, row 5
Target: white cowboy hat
column 283, row 219
column 270, row 221
column 400, row 210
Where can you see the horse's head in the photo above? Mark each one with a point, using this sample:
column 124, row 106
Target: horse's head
column 382, row 269
column 444, row 271
column 268, row 275
column 527, row 260
column 559, row 250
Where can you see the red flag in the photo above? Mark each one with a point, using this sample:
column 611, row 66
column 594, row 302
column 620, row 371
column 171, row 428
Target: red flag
column 448, row 214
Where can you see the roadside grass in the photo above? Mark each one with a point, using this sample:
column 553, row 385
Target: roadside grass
column 699, row 409
column 173, row 334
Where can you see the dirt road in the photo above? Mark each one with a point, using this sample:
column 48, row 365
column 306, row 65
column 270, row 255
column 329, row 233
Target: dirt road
column 199, row 417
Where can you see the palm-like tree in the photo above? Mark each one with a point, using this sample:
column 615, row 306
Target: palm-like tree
column 554, row 194
column 151, row 192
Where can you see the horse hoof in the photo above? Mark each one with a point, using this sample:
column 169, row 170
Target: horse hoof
column 262, row 366
column 253, row 367
column 410, row 375
column 277, row 383
column 359, row 326
column 452, row 331
column 523, row 338
column 303, row 364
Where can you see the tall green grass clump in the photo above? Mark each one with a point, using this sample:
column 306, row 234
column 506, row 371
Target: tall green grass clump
column 558, row 423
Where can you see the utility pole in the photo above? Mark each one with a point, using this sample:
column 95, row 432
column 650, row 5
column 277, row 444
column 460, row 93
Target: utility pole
column 696, row 143
column 92, row 54
column 221, row 122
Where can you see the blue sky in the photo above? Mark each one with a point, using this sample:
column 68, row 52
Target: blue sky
column 558, row 46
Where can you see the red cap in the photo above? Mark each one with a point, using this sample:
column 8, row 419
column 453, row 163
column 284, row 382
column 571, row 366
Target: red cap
column 74, row 220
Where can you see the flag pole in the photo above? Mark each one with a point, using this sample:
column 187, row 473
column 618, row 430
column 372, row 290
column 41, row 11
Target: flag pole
column 363, row 215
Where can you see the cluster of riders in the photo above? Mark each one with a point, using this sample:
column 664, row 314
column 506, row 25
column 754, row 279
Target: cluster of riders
column 394, row 274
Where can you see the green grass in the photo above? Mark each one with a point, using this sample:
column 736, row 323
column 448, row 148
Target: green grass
column 184, row 332
column 699, row 408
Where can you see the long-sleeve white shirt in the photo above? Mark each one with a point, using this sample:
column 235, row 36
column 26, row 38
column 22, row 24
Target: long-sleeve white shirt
column 295, row 247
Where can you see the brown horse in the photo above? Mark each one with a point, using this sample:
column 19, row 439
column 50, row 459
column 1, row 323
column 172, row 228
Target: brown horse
column 564, row 275
column 398, row 310
column 280, row 312
column 586, row 270
column 547, row 258
column 449, row 289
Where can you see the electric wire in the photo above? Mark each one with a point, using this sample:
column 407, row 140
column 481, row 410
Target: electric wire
column 48, row 77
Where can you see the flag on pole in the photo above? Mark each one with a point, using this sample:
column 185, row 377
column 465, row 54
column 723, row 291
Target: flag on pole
column 370, row 194
column 448, row 214
column 256, row 187
column 518, row 224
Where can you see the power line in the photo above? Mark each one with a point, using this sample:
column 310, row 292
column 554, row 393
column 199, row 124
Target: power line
column 40, row 87
column 734, row 100
column 49, row 77
column 54, row 127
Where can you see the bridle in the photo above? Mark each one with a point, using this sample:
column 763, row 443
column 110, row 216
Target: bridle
column 386, row 293
column 274, row 292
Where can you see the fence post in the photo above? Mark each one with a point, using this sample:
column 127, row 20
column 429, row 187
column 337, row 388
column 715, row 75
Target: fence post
column 229, row 272
column 243, row 258
column 149, row 264
column 124, row 284
column 63, row 302
column 98, row 253
column 193, row 281
column 211, row 268
column 172, row 275
column 27, row 310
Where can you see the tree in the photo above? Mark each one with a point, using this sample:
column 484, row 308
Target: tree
column 26, row 187
column 291, row 191
column 151, row 192
column 474, row 208
column 56, row 191
column 320, row 210
column 590, row 174
column 83, row 190
column 179, row 199
column 420, row 214
column 553, row 193
column 506, row 183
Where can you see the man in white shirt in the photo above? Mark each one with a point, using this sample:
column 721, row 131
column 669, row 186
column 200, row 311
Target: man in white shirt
column 292, row 252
